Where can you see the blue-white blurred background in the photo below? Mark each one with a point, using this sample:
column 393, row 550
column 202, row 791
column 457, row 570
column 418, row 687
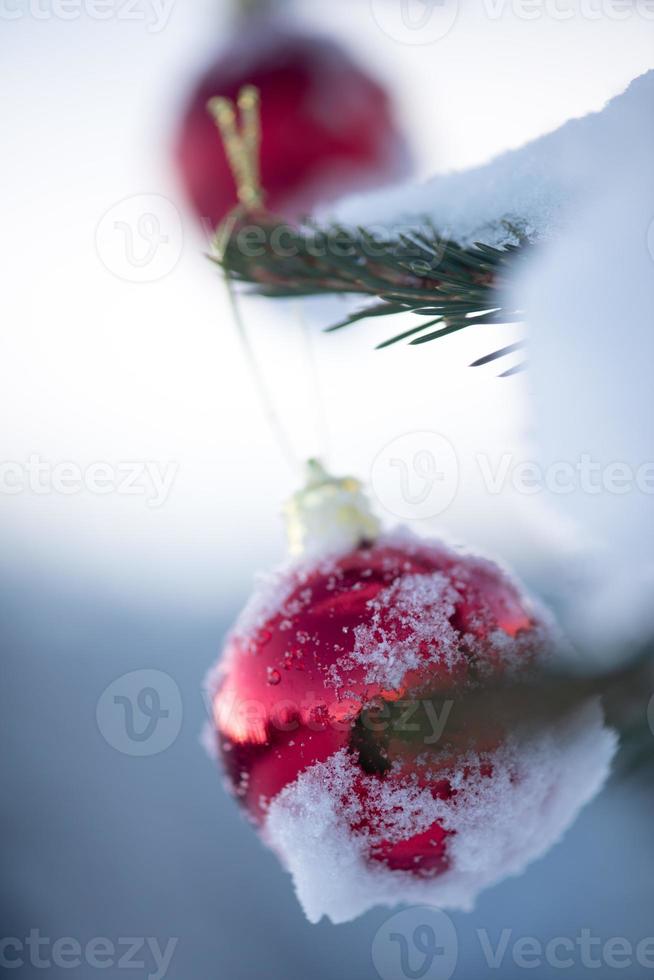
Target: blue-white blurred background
column 97, row 368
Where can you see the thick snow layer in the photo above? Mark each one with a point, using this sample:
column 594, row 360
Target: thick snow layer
column 589, row 297
column 535, row 191
column 540, row 780
column 586, row 193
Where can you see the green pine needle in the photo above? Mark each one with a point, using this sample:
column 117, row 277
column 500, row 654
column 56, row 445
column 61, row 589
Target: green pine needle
column 409, row 272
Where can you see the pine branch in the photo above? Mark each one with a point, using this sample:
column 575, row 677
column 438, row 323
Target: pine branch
column 537, row 700
column 405, row 272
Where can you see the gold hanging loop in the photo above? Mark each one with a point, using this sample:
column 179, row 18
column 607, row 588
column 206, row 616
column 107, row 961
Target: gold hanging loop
column 240, row 129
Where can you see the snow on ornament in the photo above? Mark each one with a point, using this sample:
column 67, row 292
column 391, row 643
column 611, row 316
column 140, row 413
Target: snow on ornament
column 373, row 713
column 327, row 127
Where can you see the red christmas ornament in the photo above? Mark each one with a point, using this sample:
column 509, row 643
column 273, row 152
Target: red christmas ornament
column 327, row 128
column 348, row 714
column 386, row 621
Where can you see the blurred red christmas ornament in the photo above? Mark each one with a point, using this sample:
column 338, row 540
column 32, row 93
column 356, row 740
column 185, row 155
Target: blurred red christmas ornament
column 347, row 711
column 327, row 127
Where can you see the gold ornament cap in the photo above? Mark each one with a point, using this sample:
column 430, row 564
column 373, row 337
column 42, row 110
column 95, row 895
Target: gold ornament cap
column 328, row 514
